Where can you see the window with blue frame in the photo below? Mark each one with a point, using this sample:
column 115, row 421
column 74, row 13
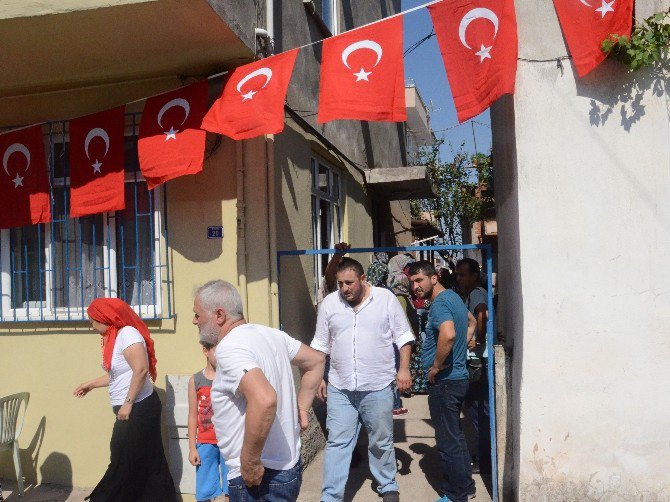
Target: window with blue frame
column 51, row 272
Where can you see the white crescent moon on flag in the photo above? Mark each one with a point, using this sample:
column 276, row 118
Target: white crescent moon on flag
column 479, row 13
column 586, row 3
column 96, row 132
column 266, row 72
column 170, row 104
column 16, row 147
column 363, row 44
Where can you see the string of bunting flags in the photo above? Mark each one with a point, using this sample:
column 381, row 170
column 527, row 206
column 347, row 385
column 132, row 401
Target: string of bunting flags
column 362, row 78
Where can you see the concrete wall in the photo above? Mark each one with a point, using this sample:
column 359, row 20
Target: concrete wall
column 582, row 183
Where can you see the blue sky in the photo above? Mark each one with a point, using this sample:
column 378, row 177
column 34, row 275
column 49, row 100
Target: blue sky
column 424, row 66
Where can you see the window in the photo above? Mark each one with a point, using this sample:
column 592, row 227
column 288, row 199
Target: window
column 329, row 12
column 326, row 213
column 51, row 272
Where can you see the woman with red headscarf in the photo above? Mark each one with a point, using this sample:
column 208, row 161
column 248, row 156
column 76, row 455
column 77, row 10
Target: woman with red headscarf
column 137, row 470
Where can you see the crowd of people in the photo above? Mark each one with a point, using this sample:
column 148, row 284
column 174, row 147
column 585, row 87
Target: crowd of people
column 395, row 331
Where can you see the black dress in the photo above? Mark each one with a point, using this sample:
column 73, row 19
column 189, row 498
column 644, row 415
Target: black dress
column 138, row 470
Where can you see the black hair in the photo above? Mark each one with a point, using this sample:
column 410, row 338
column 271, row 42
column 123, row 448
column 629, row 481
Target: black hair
column 422, row 267
column 350, row 264
column 473, row 266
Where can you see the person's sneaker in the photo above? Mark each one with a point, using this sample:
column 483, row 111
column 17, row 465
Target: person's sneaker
column 391, row 497
column 400, row 411
column 444, row 498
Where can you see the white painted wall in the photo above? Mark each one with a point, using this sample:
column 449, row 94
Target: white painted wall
column 584, row 272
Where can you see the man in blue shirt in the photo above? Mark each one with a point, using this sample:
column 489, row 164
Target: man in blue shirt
column 448, row 330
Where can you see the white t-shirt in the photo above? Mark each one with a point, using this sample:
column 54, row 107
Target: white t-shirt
column 360, row 343
column 244, row 348
column 120, row 372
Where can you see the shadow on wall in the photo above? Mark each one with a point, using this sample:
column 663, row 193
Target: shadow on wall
column 613, row 88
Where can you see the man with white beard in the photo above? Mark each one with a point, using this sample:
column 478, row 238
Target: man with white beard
column 257, row 416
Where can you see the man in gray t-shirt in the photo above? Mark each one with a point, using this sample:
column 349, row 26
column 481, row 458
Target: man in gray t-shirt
column 476, row 404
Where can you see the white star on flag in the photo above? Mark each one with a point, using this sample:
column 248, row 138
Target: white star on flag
column 605, row 8
column 171, row 134
column 248, row 95
column 18, row 181
column 362, row 75
column 484, row 53
column 96, row 166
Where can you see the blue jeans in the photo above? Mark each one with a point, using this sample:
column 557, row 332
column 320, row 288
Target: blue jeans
column 345, row 408
column 445, row 400
column 276, row 486
column 476, row 410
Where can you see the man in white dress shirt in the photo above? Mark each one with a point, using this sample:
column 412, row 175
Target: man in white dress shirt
column 358, row 326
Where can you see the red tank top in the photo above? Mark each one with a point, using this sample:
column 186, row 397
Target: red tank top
column 203, row 386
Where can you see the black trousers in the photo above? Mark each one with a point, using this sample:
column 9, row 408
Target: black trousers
column 138, row 470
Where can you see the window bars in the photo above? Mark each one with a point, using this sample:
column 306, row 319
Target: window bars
column 52, row 272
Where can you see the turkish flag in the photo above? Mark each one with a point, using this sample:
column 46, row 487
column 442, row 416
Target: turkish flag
column 363, row 75
column 24, row 181
column 96, row 163
column 587, row 23
column 171, row 143
column 252, row 101
column 478, row 43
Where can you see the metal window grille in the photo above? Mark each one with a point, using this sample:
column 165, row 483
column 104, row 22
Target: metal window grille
column 51, row 272
column 326, row 213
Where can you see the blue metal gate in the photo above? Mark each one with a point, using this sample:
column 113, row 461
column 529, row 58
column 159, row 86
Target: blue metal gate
column 487, row 251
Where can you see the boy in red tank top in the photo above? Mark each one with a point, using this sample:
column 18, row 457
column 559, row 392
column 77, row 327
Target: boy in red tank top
column 211, row 475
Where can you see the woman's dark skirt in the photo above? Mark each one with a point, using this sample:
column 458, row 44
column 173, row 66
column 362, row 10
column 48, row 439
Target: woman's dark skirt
column 137, row 470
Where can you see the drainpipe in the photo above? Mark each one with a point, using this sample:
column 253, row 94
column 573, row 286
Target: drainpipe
column 269, row 32
column 241, row 227
column 272, row 228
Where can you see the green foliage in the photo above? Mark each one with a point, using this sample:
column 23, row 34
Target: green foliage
column 456, row 205
column 646, row 46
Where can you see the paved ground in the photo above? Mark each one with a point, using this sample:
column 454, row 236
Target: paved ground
column 418, row 464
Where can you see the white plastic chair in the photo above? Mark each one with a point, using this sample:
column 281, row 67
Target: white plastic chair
column 10, row 428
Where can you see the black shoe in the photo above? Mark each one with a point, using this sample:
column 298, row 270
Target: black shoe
column 391, row 497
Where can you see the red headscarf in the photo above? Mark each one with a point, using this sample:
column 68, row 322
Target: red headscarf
column 117, row 314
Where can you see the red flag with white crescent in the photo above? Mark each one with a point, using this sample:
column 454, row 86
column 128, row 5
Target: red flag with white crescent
column 362, row 74
column 252, row 101
column 587, row 23
column 24, row 180
column 478, row 43
column 171, row 143
column 96, row 163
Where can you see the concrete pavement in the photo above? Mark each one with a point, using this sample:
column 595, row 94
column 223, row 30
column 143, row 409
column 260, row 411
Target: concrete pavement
column 419, row 469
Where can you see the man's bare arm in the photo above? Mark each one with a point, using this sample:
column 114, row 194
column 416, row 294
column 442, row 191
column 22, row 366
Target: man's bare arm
column 311, row 364
column 260, row 415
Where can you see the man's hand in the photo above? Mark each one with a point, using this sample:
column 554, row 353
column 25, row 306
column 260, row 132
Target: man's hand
column 252, row 471
column 322, row 391
column 124, row 411
column 194, row 457
column 303, row 417
column 342, row 248
column 472, row 343
column 432, row 373
column 403, row 380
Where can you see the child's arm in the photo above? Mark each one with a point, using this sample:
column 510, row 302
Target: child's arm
column 193, row 456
